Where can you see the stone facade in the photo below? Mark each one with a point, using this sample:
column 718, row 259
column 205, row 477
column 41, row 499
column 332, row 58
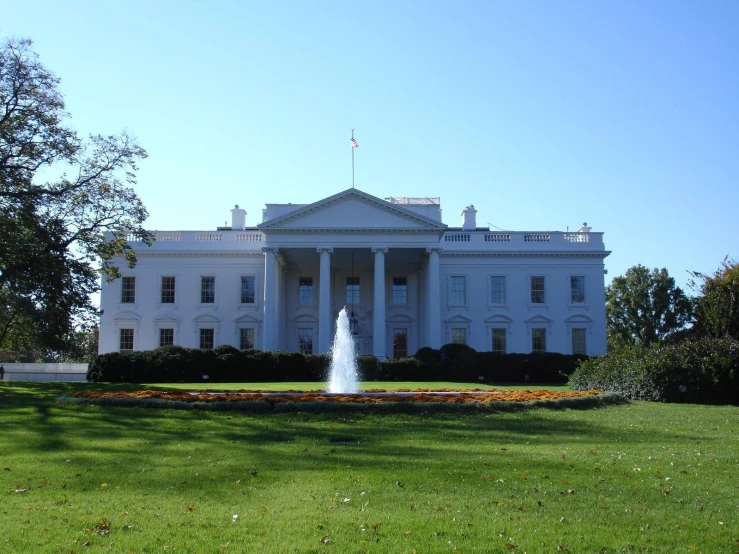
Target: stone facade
column 409, row 280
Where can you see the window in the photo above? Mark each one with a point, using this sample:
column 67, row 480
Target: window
column 400, row 343
column 458, row 290
column 166, row 337
column 207, row 290
column 168, row 284
column 128, row 290
column 247, row 289
column 538, row 340
column 126, row 342
column 499, row 340
column 577, row 290
column 400, row 290
column 497, row 289
column 305, row 291
column 206, row 338
column 537, row 290
column 246, row 339
column 459, row 335
column 305, row 340
column 352, row 290
column 578, row 341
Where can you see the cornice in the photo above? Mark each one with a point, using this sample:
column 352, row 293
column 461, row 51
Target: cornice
column 524, row 254
column 200, row 254
column 337, row 231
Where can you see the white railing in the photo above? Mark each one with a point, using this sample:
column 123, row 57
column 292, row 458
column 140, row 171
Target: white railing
column 168, row 236
column 576, row 237
column 209, row 237
column 425, row 201
column 537, row 237
column 457, row 237
column 248, row 240
column 249, row 237
column 497, row 237
column 522, row 240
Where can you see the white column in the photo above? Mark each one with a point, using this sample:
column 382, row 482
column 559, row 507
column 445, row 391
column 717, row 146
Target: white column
column 378, row 312
column 270, row 290
column 324, row 301
column 433, row 310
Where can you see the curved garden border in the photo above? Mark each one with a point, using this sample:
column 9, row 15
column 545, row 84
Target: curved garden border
column 409, row 401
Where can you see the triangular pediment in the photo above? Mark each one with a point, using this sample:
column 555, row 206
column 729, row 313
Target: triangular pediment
column 352, row 210
column 167, row 318
column 246, row 318
column 206, row 318
column 458, row 318
column 540, row 319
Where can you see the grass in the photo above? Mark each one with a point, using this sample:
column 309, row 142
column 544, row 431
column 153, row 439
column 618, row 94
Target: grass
column 641, row 477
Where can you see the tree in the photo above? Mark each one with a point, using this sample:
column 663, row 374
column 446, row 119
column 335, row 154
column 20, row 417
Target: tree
column 645, row 307
column 717, row 305
column 59, row 196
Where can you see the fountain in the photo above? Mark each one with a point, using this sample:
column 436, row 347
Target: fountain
column 343, row 371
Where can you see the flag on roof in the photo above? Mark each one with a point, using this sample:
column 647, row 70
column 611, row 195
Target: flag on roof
column 355, row 144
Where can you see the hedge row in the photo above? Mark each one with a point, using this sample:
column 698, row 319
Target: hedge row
column 702, row 371
column 453, row 362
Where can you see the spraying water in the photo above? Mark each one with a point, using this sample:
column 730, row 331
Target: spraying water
column 343, row 374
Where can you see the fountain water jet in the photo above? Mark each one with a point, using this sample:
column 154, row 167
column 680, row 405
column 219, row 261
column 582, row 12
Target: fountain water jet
column 343, row 372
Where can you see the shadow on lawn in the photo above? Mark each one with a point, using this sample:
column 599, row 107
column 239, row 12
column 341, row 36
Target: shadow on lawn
column 158, row 449
column 39, row 414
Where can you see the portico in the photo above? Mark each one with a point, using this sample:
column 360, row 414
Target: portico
column 346, row 242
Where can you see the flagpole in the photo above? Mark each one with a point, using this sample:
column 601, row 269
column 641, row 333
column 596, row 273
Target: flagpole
column 353, row 142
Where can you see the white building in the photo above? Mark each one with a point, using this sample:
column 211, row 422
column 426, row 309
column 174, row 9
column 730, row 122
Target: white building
column 409, row 280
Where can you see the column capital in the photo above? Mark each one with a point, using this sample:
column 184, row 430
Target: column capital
column 266, row 249
column 376, row 250
column 436, row 249
column 321, row 250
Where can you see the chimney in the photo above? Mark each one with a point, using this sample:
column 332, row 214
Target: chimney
column 238, row 218
column 469, row 222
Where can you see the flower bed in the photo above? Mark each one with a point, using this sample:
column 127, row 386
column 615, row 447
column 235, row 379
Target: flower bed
column 372, row 396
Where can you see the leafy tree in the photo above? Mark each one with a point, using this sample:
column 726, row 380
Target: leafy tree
column 645, row 307
column 59, row 196
column 717, row 305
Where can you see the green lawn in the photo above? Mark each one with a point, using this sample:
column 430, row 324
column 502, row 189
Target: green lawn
column 632, row 478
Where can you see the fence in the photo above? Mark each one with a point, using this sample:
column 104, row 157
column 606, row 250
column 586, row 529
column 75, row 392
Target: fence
column 45, row 372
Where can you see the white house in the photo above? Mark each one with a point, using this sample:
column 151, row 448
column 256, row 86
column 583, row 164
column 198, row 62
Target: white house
column 408, row 279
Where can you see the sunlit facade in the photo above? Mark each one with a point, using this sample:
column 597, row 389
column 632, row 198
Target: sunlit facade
column 407, row 280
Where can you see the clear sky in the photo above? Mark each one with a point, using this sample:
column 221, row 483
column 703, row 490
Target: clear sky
column 624, row 114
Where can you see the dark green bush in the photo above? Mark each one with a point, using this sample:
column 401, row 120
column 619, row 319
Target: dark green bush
column 368, row 368
column 701, row 371
column 453, row 362
column 402, row 369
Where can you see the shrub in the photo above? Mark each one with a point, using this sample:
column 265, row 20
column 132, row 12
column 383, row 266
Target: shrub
column 703, row 370
column 368, row 368
column 402, row 369
column 453, row 362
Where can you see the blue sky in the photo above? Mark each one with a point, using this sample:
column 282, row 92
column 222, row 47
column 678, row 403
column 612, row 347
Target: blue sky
column 543, row 114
